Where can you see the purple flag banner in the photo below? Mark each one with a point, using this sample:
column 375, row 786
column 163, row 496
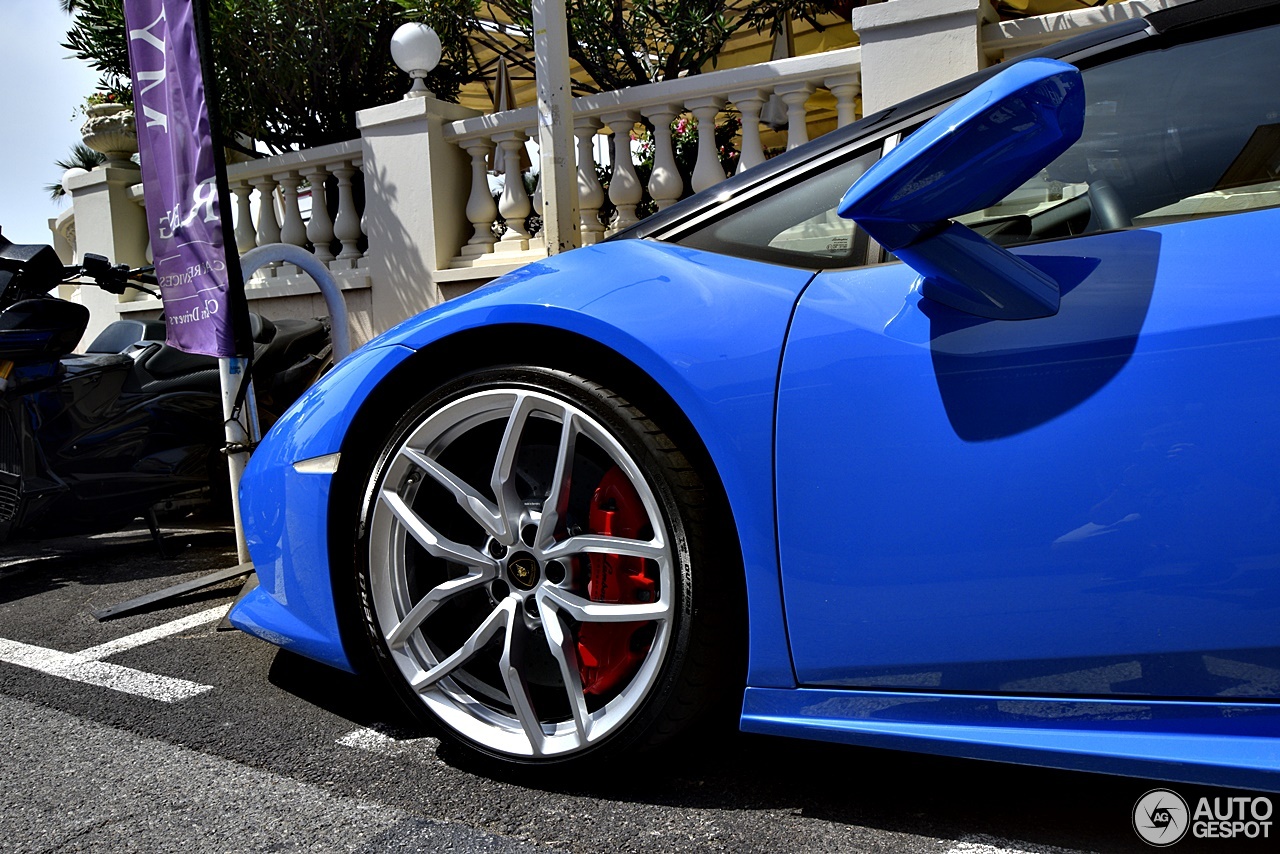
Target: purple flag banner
column 199, row 283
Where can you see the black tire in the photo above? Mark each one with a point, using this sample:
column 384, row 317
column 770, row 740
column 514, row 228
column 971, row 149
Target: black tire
column 495, row 612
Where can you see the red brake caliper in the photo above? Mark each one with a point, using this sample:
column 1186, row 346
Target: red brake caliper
column 605, row 651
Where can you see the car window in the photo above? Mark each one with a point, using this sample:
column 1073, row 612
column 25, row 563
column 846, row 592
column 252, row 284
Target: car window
column 1189, row 131
column 796, row 225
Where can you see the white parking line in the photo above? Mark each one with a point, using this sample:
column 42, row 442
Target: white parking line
column 87, row 667
column 376, row 741
column 980, row 843
column 182, row 624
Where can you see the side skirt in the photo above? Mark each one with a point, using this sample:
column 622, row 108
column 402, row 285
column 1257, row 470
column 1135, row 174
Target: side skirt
column 1234, row 744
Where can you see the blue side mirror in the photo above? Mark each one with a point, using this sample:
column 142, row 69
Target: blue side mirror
column 968, row 157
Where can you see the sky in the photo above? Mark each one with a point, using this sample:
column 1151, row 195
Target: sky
column 40, row 88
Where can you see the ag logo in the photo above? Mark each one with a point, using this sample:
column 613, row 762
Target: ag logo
column 1160, row 817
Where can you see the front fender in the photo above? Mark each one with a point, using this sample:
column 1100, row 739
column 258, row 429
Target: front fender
column 707, row 328
column 284, row 510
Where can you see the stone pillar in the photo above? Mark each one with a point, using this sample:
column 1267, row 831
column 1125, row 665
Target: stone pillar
column 514, row 204
column 911, row 46
column 794, row 95
column 590, row 193
column 749, row 102
column 416, row 186
column 482, row 210
column 624, row 185
column 707, row 169
column 665, row 184
column 107, row 222
column 845, row 88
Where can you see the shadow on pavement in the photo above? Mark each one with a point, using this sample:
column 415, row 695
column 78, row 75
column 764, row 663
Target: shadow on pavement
column 31, row 567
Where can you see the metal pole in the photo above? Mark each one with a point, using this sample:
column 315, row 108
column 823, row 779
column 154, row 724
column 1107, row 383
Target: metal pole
column 242, row 429
column 242, row 432
column 555, row 126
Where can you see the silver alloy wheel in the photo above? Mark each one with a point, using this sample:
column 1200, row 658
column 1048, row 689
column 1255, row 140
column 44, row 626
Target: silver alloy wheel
column 477, row 571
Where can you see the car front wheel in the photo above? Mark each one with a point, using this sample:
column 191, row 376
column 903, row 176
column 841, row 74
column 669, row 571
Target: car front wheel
column 533, row 572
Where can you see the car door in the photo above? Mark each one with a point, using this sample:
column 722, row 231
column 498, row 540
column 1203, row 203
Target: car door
column 1081, row 504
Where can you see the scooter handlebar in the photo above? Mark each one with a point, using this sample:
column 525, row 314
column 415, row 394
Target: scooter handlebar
column 114, row 278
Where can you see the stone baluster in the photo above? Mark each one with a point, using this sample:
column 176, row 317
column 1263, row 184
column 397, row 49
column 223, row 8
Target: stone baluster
column 590, row 193
column 749, row 102
column 665, row 184
column 268, row 225
column 347, row 226
column 708, row 170
column 624, row 185
column 293, row 230
column 845, row 88
column 794, row 95
column 246, row 234
column 513, row 204
column 320, row 226
column 481, row 208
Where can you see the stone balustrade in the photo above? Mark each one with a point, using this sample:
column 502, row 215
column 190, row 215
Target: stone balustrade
column 310, row 198
column 268, row 210
column 819, row 91
column 267, row 207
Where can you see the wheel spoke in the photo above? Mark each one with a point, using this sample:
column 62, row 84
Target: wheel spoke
column 503, row 480
column 564, row 651
column 553, row 509
column 499, row 618
column 587, row 611
column 514, row 653
column 483, row 511
column 427, row 605
column 604, row 544
column 434, row 543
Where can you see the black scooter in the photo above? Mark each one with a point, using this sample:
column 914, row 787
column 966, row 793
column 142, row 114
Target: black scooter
column 133, row 427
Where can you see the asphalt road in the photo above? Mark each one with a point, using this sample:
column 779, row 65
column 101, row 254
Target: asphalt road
column 158, row 732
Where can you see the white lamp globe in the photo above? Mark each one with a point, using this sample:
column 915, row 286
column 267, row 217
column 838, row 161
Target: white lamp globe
column 416, row 49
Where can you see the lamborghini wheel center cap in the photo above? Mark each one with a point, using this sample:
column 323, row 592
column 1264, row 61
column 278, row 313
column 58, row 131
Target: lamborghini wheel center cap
column 523, row 571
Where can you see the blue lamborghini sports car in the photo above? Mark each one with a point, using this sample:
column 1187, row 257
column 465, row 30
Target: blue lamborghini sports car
column 955, row 430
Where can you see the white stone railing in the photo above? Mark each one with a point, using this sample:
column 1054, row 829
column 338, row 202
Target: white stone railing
column 330, row 173
column 267, row 208
column 501, row 138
